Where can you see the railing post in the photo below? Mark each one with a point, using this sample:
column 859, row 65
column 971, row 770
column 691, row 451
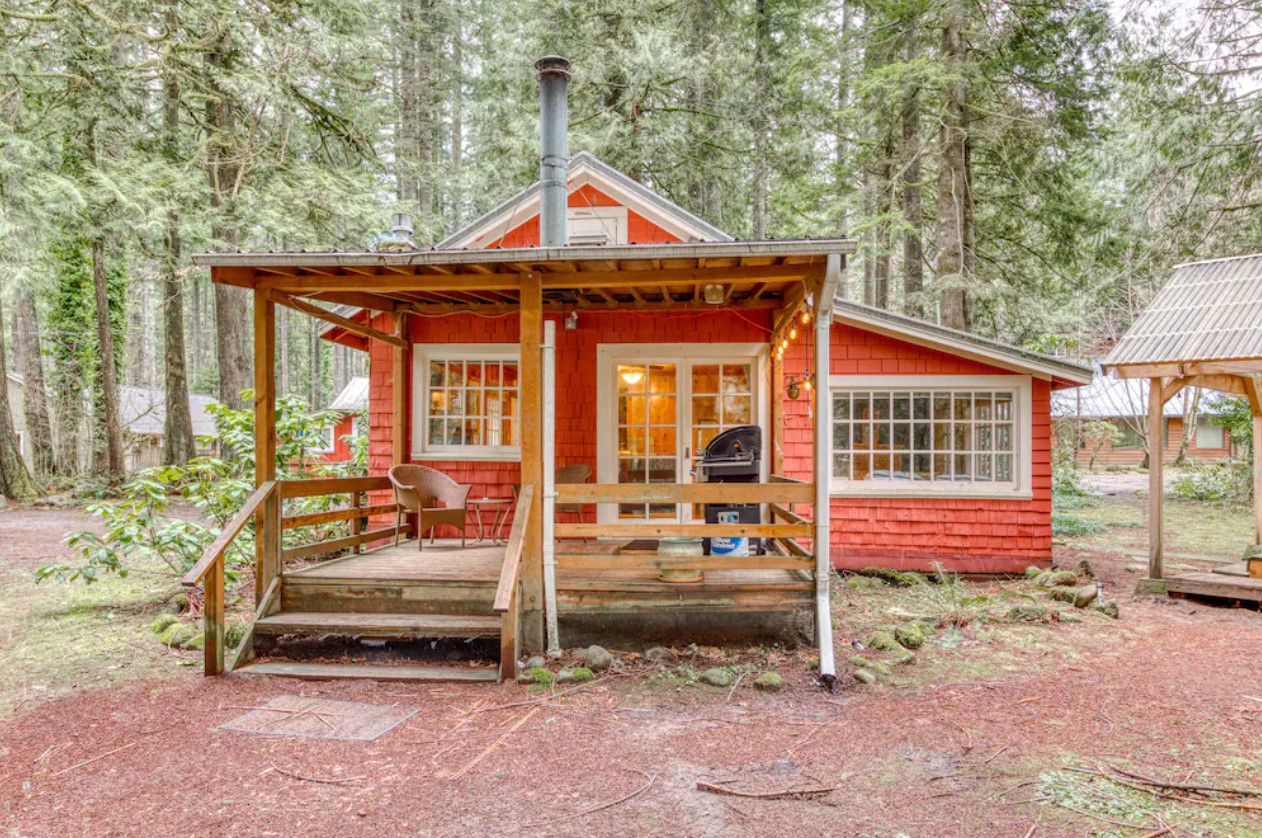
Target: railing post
column 212, row 616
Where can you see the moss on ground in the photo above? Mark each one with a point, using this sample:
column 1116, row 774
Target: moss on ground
column 59, row 637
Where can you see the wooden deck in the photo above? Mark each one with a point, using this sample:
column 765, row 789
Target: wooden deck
column 1227, row 582
column 476, row 566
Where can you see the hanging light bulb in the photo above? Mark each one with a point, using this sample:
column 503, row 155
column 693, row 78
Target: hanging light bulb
column 793, row 333
column 806, row 382
column 806, row 317
column 784, row 344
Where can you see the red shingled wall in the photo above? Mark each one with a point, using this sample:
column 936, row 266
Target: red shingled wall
column 575, row 373
column 965, row 536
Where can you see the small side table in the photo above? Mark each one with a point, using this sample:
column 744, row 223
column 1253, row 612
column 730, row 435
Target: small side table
column 500, row 506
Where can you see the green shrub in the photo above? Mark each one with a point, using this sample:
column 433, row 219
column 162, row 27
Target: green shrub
column 1230, row 484
column 139, row 523
column 1069, row 526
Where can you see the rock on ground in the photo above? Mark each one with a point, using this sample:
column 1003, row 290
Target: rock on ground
column 769, row 682
column 910, row 635
column 660, row 654
column 718, row 677
column 597, row 658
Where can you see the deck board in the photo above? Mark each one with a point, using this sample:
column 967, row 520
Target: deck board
column 447, row 561
column 1217, row 584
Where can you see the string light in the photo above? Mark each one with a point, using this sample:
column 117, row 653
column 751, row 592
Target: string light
column 806, row 317
column 793, row 333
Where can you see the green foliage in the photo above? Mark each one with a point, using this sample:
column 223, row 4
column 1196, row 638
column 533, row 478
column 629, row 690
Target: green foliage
column 149, row 521
column 1236, row 416
column 1071, row 526
column 1230, row 484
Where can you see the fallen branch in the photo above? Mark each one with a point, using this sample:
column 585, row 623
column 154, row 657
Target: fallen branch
column 90, row 761
column 732, row 691
column 1152, row 781
column 332, row 781
column 489, row 748
column 652, row 778
column 988, row 759
column 716, row 788
column 546, row 698
column 1148, row 788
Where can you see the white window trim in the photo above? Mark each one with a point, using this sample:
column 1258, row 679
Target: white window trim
column 422, row 354
column 1023, row 429
column 609, row 355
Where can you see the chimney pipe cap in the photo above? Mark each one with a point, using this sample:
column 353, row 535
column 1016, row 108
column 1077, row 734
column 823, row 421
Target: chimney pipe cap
column 401, row 224
column 553, row 65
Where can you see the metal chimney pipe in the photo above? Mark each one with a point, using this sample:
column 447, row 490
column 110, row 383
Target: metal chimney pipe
column 554, row 152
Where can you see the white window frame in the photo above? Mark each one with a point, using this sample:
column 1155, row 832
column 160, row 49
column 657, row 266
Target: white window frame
column 1021, row 387
column 422, row 354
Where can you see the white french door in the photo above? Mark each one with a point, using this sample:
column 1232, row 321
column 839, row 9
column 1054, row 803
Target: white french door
column 659, row 409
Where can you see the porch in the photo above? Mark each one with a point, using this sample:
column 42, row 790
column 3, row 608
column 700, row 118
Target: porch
column 556, row 581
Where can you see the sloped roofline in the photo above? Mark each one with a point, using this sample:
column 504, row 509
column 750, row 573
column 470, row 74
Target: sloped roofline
column 954, row 342
column 522, row 206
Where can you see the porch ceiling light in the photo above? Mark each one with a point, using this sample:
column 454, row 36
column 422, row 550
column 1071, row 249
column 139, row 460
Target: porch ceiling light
column 632, row 376
column 713, row 294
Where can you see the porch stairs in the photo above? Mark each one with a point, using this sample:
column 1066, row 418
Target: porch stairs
column 325, row 606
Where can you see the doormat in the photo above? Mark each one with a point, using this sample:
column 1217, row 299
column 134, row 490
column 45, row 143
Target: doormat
column 320, row 718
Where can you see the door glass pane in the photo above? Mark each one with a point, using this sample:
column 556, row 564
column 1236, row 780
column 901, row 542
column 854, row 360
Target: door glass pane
column 647, row 431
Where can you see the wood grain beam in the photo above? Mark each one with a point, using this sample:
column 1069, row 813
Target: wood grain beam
column 309, row 308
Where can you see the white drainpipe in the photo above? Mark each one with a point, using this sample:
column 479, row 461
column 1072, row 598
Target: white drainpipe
column 823, row 470
column 549, row 486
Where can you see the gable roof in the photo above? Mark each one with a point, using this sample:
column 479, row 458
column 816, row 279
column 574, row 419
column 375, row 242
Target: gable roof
column 143, row 411
column 1207, row 311
column 354, row 395
column 585, row 170
column 1107, row 397
column 1061, row 371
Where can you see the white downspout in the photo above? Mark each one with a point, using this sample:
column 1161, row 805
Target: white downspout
column 823, row 470
column 549, row 486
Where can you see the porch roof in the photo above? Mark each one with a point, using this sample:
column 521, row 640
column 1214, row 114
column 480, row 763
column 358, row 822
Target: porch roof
column 443, row 280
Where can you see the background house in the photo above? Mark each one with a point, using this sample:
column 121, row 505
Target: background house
column 143, row 414
column 349, row 404
column 1123, row 403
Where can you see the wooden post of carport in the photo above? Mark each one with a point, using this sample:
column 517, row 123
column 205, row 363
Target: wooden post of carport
column 399, row 427
column 1156, row 444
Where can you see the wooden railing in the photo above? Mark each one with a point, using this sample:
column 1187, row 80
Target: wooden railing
column 265, row 505
column 785, row 554
column 209, row 572
column 508, row 592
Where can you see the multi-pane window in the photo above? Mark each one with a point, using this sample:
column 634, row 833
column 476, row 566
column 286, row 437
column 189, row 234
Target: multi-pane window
column 472, row 402
column 934, row 436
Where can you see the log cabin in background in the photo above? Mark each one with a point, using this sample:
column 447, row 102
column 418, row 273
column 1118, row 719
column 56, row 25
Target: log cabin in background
column 1123, row 404
column 589, row 321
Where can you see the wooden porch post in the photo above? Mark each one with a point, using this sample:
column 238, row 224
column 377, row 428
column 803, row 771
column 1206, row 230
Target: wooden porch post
column 1255, row 385
column 267, row 523
column 399, row 373
column 1156, row 409
column 531, row 320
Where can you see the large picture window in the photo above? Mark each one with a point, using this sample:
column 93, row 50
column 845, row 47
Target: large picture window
column 469, row 401
column 929, row 439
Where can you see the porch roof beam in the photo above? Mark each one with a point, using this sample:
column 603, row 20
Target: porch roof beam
column 1180, row 369
column 315, row 311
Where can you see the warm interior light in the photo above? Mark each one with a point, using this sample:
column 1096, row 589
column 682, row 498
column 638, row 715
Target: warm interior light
column 632, row 376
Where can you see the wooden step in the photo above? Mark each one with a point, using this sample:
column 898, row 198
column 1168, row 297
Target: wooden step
column 379, row 625
column 347, row 671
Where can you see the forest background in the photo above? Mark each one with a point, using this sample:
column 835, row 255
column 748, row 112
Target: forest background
column 1025, row 170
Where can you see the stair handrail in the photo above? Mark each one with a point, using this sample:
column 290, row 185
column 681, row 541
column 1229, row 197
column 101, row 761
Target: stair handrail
column 506, row 599
column 211, row 564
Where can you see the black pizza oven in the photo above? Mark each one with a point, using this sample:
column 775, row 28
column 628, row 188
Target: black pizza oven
column 734, row 456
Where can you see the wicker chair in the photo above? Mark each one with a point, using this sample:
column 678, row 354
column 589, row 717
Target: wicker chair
column 419, row 490
column 575, row 473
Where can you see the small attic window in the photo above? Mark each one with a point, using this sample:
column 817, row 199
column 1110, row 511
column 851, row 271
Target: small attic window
column 589, row 239
column 597, row 225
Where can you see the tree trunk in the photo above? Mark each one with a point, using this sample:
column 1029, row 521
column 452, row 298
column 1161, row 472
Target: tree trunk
column 15, row 478
column 762, row 87
column 282, row 339
column 232, row 305
column 913, row 209
column 110, row 424
column 30, row 363
column 954, row 192
column 178, row 445
column 317, row 394
column 841, row 148
column 457, row 123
